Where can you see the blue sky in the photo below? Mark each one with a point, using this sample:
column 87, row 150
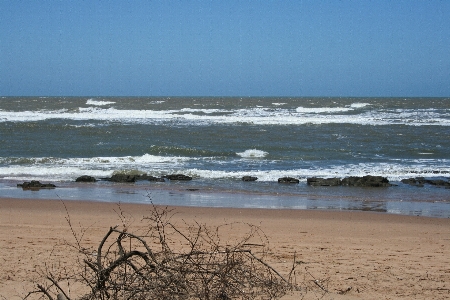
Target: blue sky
column 225, row 48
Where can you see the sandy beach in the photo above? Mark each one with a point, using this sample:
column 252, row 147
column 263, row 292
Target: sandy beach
column 354, row 255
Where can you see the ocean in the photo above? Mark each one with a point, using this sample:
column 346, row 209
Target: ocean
column 218, row 140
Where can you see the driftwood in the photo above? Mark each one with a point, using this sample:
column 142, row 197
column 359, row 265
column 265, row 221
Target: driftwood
column 145, row 266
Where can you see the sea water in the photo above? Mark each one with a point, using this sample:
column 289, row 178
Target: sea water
column 217, row 141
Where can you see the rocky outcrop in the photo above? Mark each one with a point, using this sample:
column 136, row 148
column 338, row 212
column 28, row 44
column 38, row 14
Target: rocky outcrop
column 366, row 181
column 288, row 180
column 124, row 178
column 421, row 181
column 178, row 177
column 249, row 178
column 127, row 178
column 85, row 178
column 150, row 178
column 438, row 182
column 35, row 185
column 412, row 181
column 315, row 181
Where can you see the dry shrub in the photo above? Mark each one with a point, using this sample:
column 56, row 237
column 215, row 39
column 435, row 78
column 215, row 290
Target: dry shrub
column 155, row 265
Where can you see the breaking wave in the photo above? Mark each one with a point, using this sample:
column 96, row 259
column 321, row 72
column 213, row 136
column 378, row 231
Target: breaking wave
column 98, row 103
column 356, row 113
column 252, row 153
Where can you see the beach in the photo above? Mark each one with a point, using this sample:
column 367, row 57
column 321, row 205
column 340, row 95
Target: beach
column 352, row 255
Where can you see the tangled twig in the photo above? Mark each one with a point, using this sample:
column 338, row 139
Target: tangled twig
column 132, row 266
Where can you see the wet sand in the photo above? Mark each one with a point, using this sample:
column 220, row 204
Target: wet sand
column 369, row 255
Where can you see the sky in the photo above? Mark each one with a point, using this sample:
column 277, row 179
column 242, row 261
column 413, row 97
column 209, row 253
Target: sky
column 361, row 48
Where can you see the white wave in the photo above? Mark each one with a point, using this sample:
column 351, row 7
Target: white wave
column 394, row 172
column 98, row 103
column 359, row 105
column 70, row 168
column 257, row 116
column 252, row 153
column 271, row 175
column 321, row 110
column 120, row 160
column 206, row 111
column 48, row 168
column 53, row 172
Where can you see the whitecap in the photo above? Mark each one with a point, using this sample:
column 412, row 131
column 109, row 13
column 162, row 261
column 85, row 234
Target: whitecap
column 319, row 110
column 252, row 153
column 257, row 116
column 359, row 105
column 98, row 103
column 54, row 168
column 206, row 111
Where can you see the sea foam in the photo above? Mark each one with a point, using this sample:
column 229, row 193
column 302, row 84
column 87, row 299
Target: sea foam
column 98, row 103
column 256, row 116
column 252, row 153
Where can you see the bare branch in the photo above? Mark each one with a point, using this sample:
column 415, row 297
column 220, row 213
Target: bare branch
column 212, row 267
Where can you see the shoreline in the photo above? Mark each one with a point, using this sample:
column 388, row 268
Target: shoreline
column 376, row 254
column 392, row 200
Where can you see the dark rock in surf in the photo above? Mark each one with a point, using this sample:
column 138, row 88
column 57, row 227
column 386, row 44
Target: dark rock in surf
column 150, row 178
column 412, row 181
column 288, row 180
column 315, row 181
column 123, row 178
column 85, row 178
column 439, row 182
column 35, row 185
column 127, row 178
column 435, row 182
column 421, row 181
column 366, row 181
column 249, row 178
column 180, row 177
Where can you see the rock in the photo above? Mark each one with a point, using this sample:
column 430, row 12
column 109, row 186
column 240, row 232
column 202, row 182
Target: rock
column 420, row 181
column 85, row 178
column 249, row 178
column 366, row 181
column 412, row 181
column 288, row 180
column 150, row 178
column 123, row 178
column 438, row 182
column 178, row 177
column 315, row 181
column 119, row 177
column 35, row 185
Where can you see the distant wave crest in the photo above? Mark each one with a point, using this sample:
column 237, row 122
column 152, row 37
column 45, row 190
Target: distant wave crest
column 321, row 110
column 98, row 103
column 252, row 153
column 355, row 113
column 318, row 110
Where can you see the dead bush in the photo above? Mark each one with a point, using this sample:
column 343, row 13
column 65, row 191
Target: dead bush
column 166, row 263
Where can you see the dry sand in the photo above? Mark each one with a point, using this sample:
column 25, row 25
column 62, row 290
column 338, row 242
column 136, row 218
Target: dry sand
column 378, row 256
